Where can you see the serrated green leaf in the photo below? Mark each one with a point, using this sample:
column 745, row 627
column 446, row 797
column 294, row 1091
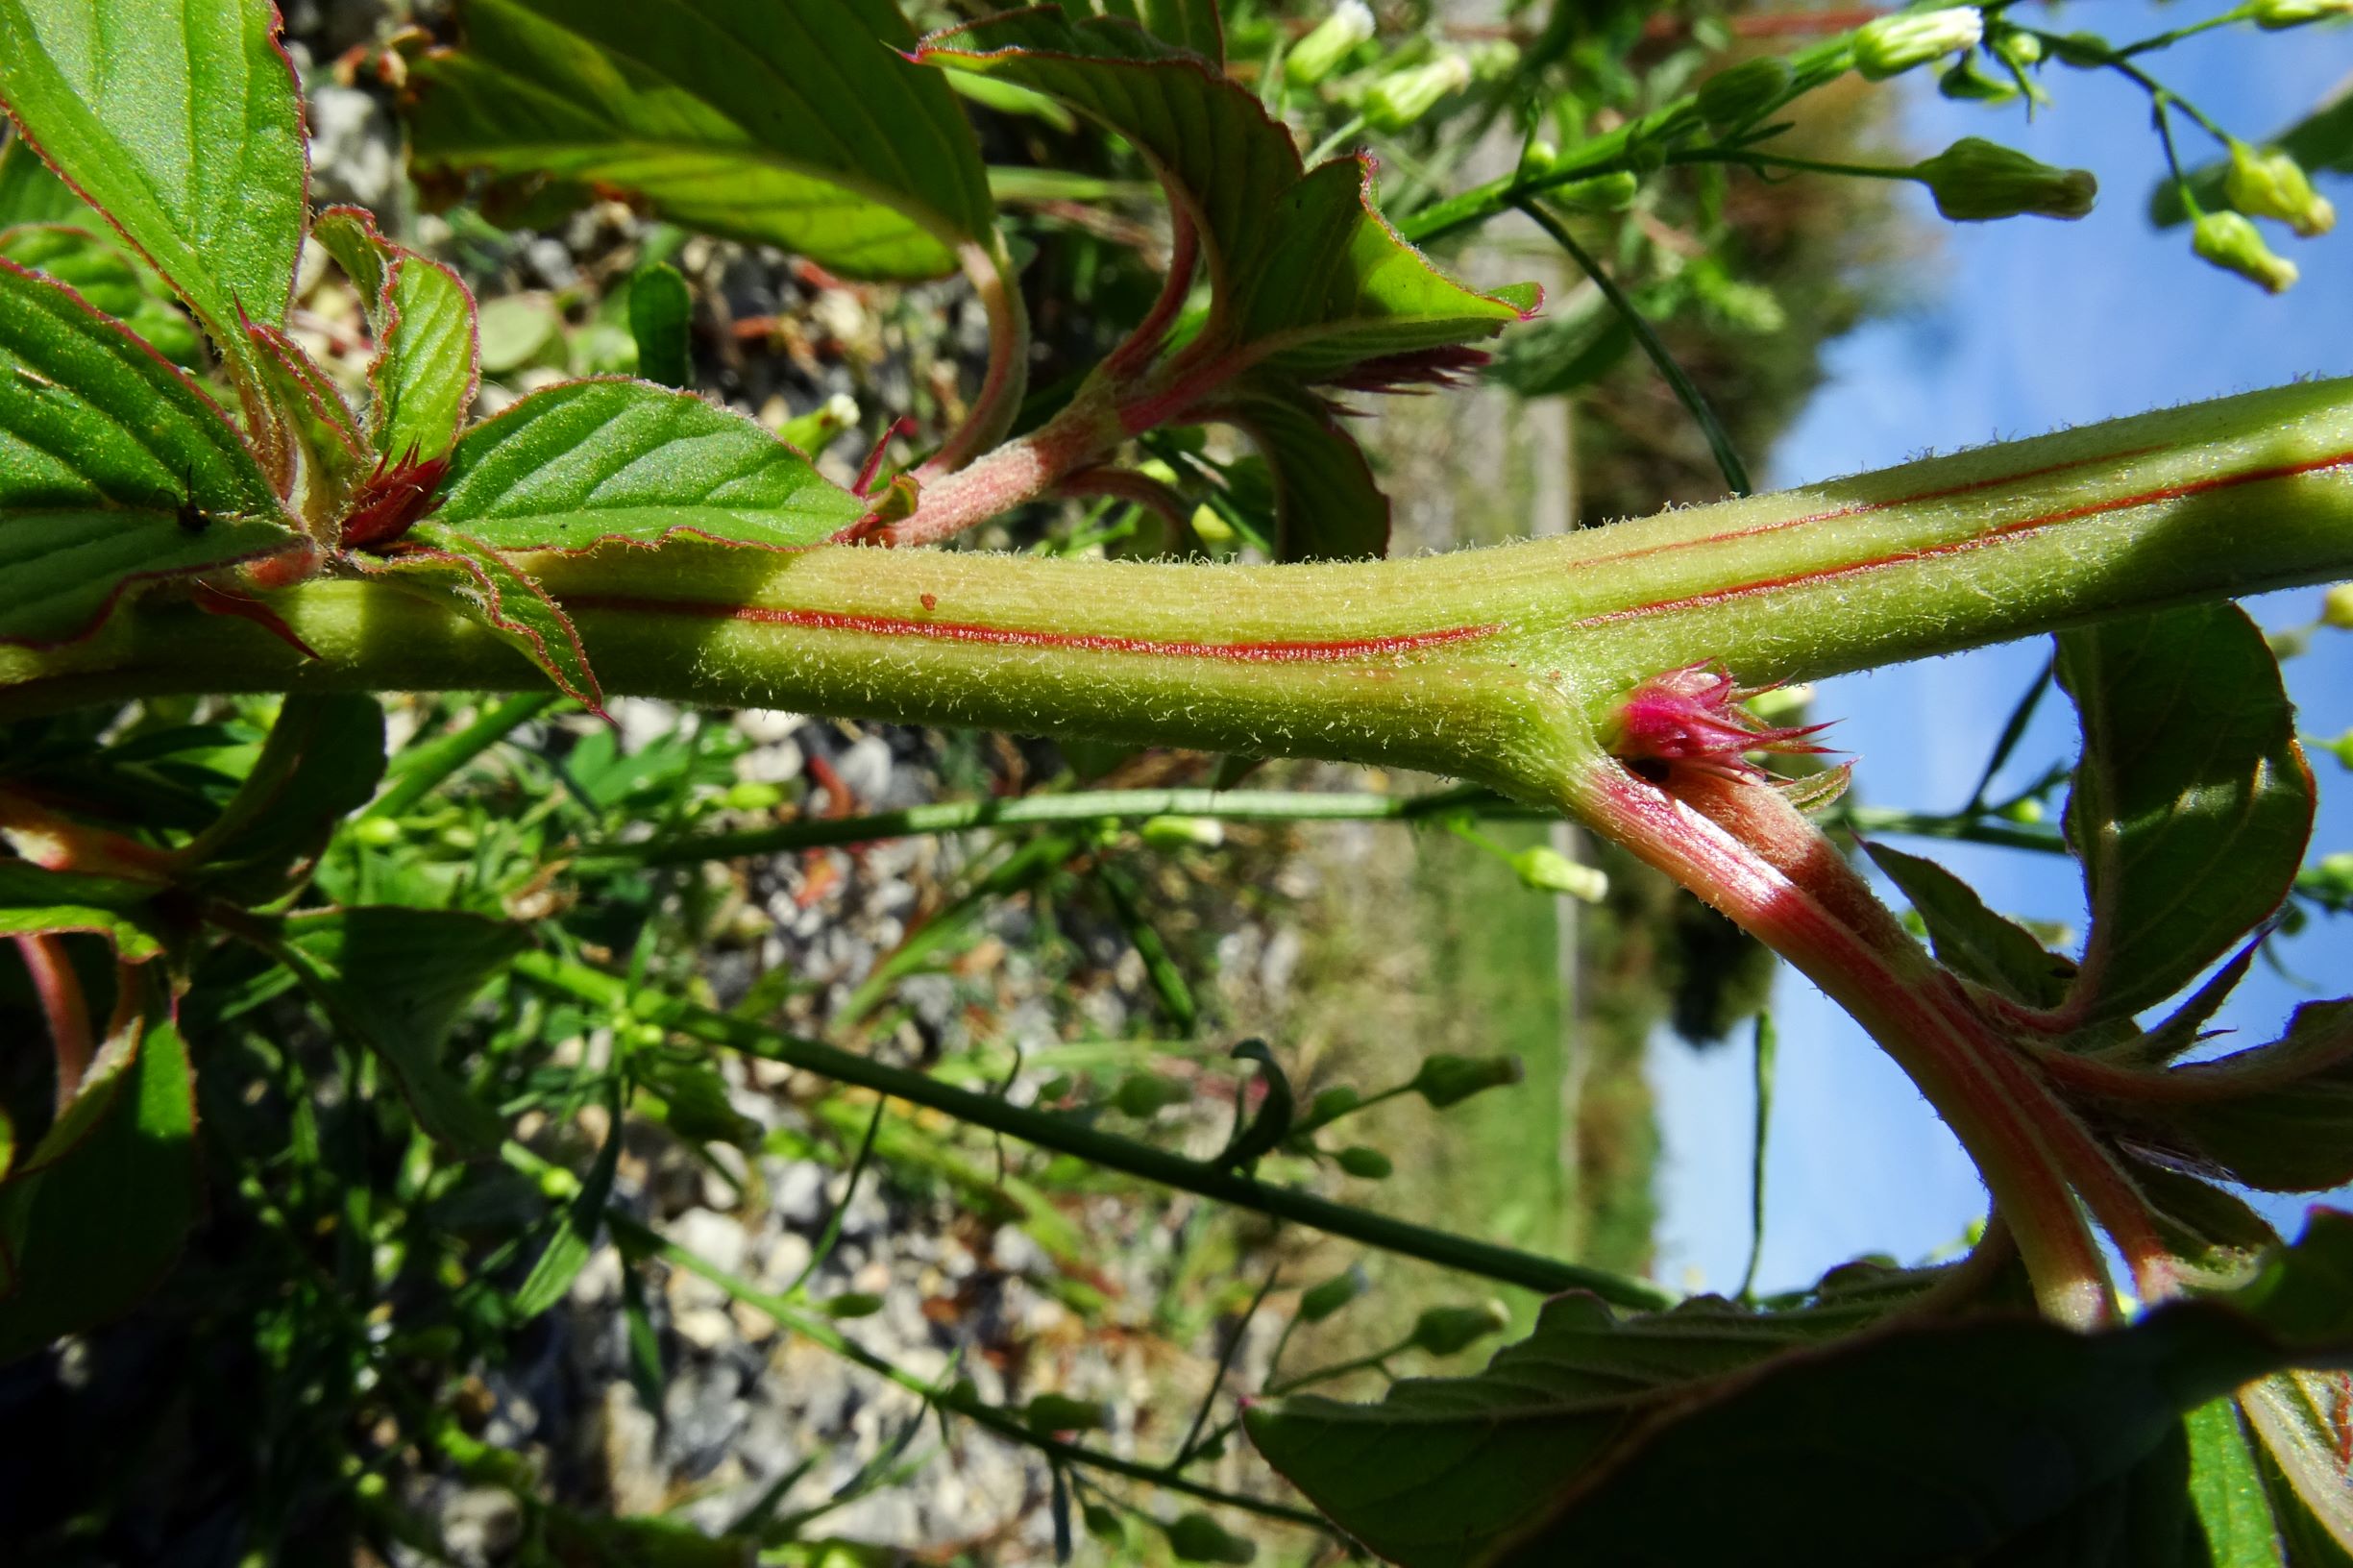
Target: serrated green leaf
column 399, row 979
column 483, row 584
column 101, row 442
column 1989, row 1437
column 795, row 125
column 181, row 125
column 1305, row 277
column 1972, row 940
column 98, row 1212
column 107, row 275
column 1328, row 506
column 2192, row 802
column 575, row 465
column 428, row 360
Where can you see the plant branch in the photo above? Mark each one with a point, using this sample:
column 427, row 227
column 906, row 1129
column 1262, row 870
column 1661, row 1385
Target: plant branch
column 1067, row 1136
column 956, row 1400
column 1686, row 390
column 991, row 269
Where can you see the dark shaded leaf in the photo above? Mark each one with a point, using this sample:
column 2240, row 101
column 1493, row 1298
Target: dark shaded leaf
column 95, row 1215
column 1970, row 939
column 795, row 125
column 1689, row 1436
column 2192, row 805
column 1328, row 506
column 2278, row 1117
column 397, row 980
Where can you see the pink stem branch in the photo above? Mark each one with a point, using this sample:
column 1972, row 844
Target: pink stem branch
column 1143, row 345
column 59, row 991
column 999, row 400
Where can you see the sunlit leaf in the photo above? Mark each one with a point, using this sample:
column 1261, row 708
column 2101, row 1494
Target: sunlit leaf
column 577, row 464
column 181, row 125
column 114, row 470
column 795, row 125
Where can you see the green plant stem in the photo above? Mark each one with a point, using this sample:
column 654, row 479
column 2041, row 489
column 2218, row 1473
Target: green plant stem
column 955, row 1400
column 1067, row 1136
column 422, row 770
column 1766, row 1047
column 1496, row 666
column 1686, row 390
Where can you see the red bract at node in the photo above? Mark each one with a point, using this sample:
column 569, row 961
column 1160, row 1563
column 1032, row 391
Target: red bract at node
column 392, row 502
column 1693, row 715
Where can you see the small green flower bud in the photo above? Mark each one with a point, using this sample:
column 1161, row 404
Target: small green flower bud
column 2274, row 15
column 1366, row 1164
column 1447, row 1079
column 1196, row 1537
column 752, row 794
column 1894, row 44
column 1058, row 1413
column 1103, row 1524
column 1538, row 158
column 2025, row 813
column 1145, row 1094
column 1969, row 82
column 852, row 1304
column 2085, row 51
column 1166, row 833
column 1320, row 1302
column 1402, row 98
column 1974, row 181
column 1336, row 37
column 2229, row 240
column 2341, row 748
column 1544, row 869
column 1331, row 1104
column 1447, row 1331
column 2337, row 608
column 1494, row 58
column 1738, row 94
column 1603, row 193
column 2019, row 47
column 2271, row 183
column 376, row 832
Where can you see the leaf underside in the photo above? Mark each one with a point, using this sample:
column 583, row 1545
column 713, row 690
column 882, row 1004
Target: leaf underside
column 2192, row 805
column 797, row 125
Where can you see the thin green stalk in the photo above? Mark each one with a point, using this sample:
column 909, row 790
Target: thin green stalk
column 1767, row 1049
column 1066, row 1136
column 422, row 770
column 1686, row 390
column 957, row 1400
column 1031, row 810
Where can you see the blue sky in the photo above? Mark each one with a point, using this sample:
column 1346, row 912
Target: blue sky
column 2018, row 328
